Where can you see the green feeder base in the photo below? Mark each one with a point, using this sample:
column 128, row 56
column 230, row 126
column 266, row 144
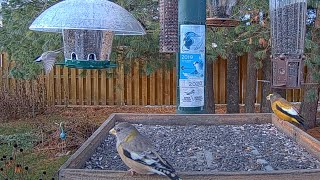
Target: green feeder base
column 87, row 64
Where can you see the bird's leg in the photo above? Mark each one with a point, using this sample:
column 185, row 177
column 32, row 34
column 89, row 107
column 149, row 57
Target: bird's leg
column 131, row 172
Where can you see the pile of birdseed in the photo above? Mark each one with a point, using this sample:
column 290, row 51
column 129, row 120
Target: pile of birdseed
column 248, row 147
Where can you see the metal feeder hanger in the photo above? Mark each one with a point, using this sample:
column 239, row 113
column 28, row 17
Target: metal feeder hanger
column 88, row 27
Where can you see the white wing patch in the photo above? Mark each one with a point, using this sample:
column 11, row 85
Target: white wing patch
column 136, row 156
column 291, row 111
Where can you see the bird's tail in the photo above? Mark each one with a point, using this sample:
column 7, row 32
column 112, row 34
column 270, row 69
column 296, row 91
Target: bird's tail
column 300, row 119
column 172, row 175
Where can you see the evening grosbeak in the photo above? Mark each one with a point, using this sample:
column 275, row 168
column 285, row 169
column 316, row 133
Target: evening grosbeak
column 48, row 59
column 137, row 152
column 284, row 110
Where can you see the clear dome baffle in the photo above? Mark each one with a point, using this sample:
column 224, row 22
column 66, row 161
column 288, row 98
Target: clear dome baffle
column 90, row 15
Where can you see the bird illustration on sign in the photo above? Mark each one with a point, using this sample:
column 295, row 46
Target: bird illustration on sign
column 192, row 41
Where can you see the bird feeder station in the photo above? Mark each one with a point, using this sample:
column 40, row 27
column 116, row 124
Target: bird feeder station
column 168, row 26
column 288, row 26
column 88, row 28
column 220, row 13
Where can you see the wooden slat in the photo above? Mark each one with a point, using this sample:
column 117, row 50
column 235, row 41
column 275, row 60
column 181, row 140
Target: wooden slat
column 76, row 174
column 11, row 82
column 88, row 88
column 144, row 89
column 28, row 88
column 58, row 85
column 2, row 56
column 96, row 87
column 174, row 86
column 223, row 80
column 167, row 87
column 129, row 87
column 111, row 87
column 42, row 89
column 103, row 98
column 159, row 87
column 73, row 87
column 120, row 84
column 48, row 89
column 66, row 86
column 136, row 87
column 81, row 86
column 289, row 95
column 296, row 95
column 216, row 85
column 152, row 84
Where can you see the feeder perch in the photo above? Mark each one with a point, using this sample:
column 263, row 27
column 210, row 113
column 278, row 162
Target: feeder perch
column 288, row 26
column 220, row 12
column 168, row 26
column 88, row 28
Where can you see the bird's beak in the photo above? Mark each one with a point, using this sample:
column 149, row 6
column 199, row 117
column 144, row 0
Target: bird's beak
column 268, row 97
column 113, row 131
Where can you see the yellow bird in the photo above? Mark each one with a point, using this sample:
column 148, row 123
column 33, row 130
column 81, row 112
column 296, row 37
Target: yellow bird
column 137, row 152
column 284, row 110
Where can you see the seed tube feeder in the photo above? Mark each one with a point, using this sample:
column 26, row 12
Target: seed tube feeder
column 88, row 28
column 288, row 26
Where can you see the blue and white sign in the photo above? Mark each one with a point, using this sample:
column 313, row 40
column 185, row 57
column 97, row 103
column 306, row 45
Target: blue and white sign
column 192, row 65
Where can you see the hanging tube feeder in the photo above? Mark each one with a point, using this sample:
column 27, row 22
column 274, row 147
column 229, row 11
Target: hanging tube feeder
column 288, row 26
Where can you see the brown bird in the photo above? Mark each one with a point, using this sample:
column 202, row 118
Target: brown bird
column 284, row 110
column 137, row 152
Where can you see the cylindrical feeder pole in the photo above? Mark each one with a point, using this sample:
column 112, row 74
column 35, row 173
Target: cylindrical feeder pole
column 191, row 57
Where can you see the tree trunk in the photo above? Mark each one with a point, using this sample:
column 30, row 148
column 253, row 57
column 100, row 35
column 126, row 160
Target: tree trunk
column 209, row 96
column 265, row 106
column 309, row 106
column 250, row 97
column 232, row 84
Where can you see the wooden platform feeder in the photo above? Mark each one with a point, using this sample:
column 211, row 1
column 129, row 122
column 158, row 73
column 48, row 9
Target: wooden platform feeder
column 72, row 169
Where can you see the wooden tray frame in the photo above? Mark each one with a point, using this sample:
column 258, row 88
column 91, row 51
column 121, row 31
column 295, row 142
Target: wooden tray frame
column 71, row 169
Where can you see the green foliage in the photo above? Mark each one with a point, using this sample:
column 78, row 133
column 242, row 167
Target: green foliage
column 146, row 47
column 21, row 44
column 243, row 38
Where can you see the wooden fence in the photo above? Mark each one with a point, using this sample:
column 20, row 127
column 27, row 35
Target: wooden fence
column 66, row 86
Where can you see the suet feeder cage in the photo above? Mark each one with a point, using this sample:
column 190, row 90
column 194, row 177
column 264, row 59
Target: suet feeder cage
column 168, row 26
column 88, row 27
column 288, row 26
column 220, row 12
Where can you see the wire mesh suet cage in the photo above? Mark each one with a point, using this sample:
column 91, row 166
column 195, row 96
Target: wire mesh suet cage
column 168, row 26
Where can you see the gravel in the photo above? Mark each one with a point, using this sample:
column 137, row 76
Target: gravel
column 214, row 148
